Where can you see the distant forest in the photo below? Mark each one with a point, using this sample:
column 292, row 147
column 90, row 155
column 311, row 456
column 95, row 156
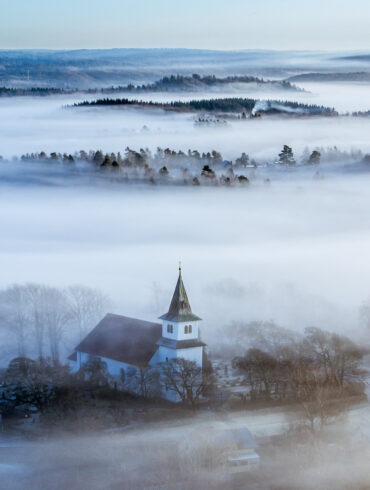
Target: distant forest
column 33, row 91
column 172, row 83
column 170, row 167
column 197, row 82
column 331, row 77
column 232, row 105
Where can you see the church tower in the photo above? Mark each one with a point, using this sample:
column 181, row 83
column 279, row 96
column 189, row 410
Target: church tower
column 180, row 330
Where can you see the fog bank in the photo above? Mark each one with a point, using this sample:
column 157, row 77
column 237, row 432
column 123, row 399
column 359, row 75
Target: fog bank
column 295, row 251
column 37, row 124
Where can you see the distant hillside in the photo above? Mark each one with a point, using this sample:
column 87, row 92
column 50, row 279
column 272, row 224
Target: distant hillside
column 355, row 57
column 85, row 69
column 331, row 77
column 172, row 83
column 180, row 83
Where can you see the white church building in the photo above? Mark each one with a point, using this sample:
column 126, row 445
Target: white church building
column 126, row 344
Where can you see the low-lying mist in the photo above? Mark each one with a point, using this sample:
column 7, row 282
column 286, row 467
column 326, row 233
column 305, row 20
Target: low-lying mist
column 34, row 124
column 168, row 456
column 285, row 249
column 294, row 251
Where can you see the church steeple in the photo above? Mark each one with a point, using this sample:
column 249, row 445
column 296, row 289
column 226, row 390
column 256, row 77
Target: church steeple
column 180, row 330
column 180, row 310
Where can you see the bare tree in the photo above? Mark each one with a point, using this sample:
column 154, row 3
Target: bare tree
column 42, row 313
column 143, row 380
column 16, row 314
column 56, row 318
column 96, row 372
column 86, row 306
column 186, row 379
column 157, row 296
column 365, row 313
column 320, row 373
column 260, row 369
column 336, row 355
column 320, row 402
column 36, row 297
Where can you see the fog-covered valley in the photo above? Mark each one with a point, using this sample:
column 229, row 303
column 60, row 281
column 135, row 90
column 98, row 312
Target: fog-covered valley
column 275, row 264
column 34, row 124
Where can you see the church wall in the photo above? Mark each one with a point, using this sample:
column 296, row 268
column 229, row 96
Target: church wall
column 73, row 367
column 191, row 354
column 113, row 367
column 185, row 336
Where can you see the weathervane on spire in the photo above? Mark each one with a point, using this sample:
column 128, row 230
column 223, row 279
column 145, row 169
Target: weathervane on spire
column 180, row 267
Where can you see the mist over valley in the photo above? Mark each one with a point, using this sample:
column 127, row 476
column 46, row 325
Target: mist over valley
column 251, row 168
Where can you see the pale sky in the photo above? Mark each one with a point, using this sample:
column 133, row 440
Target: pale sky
column 211, row 24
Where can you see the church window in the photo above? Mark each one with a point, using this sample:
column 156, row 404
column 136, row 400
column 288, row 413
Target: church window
column 190, row 329
column 186, row 329
column 169, row 328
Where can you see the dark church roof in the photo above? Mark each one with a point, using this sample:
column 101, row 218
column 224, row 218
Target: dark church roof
column 240, row 437
column 122, row 339
column 180, row 310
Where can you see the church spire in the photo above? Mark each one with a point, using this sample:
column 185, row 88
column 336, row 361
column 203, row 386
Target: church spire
column 180, row 310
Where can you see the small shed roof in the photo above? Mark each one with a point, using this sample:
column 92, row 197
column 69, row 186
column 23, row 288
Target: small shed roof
column 241, row 438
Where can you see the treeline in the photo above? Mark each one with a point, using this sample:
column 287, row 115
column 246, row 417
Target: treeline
column 361, row 114
column 191, row 159
column 36, row 91
column 165, row 84
column 170, row 167
column 223, row 105
column 233, row 105
column 196, row 81
column 165, row 166
column 318, row 371
column 331, row 77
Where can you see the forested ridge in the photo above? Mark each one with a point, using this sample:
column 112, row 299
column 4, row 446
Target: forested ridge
column 227, row 104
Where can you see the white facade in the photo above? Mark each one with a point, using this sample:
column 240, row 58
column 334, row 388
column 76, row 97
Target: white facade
column 181, row 336
column 190, row 354
column 114, row 368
